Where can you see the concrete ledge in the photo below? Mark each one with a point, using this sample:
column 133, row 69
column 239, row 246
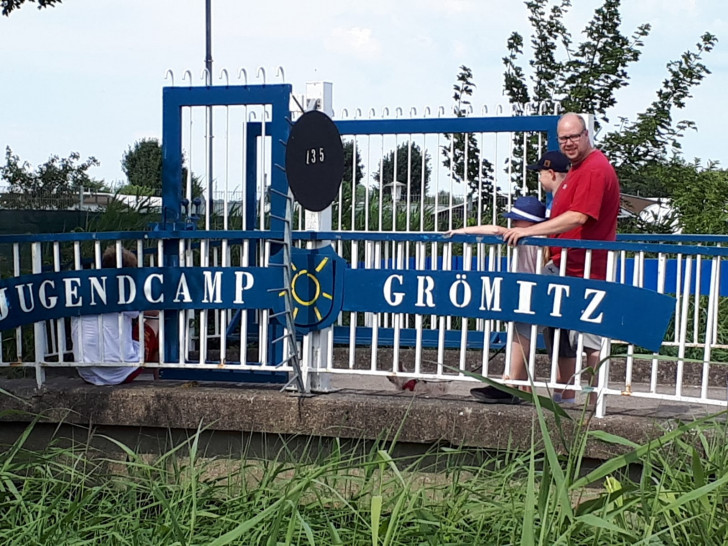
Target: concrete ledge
column 361, row 415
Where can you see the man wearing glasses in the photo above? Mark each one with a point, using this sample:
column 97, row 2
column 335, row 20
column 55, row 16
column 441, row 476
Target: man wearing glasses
column 585, row 207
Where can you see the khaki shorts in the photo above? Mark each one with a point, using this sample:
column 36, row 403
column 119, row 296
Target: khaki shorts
column 569, row 339
column 524, row 330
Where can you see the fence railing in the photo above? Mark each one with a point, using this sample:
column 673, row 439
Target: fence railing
column 689, row 367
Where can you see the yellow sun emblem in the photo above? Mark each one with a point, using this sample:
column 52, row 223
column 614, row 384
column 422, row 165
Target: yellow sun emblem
column 306, row 290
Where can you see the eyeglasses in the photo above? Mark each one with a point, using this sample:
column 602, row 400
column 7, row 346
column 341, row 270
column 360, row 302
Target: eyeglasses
column 570, row 138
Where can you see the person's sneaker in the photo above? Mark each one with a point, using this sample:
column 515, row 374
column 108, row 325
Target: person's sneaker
column 559, row 399
column 491, row 395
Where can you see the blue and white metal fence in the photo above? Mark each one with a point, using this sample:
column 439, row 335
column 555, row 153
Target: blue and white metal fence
column 375, row 227
column 690, row 367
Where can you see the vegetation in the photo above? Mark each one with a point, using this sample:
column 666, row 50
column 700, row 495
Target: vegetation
column 142, row 165
column 585, row 77
column 697, row 193
column 349, row 172
column 56, row 184
column 10, row 5
column 77, row 494
column 461, row 153
column 412, row 169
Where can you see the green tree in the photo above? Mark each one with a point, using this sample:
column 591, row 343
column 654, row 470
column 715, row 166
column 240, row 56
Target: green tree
column 639, row 148
column 10, row 5
column 580, row 77
column 353, row 168
column 349, row 163
column 698, row 195
column 142, row 165
column 55, row 184
column 584, row 77
column 461, row 152
column 413, row 171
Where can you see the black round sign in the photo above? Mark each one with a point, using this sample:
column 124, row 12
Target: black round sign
column 314, row 160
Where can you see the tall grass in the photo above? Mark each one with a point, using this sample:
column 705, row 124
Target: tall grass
column 78, row 494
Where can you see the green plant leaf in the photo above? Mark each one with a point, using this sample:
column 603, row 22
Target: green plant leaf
column 376, row 512
column 612, row 438
column 614, row 464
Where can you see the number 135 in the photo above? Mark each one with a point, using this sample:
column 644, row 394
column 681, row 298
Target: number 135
column 314, row 155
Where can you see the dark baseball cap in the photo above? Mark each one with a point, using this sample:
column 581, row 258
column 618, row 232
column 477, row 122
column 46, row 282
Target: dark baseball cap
column 555, row 161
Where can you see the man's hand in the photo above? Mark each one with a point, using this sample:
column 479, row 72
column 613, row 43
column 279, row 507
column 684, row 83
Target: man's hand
column 513, row 235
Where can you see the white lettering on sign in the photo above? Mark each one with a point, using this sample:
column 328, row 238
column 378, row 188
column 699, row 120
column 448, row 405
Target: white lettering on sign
column 525, row 294
column 53, row 296
column 315, row 155
column 27, row 308
column 98, row 288
column 213, row 285
column 72, row 297
column 559, row 290
column 127, row 289
column 393, row 298
column 460, row 284
column 425, row 285
column 243, row 281
column 460, row 294
column 3, row 304
column 597, row 297
column 490, row 298
column 183, row 291
column 49, row 302
column 148, row 288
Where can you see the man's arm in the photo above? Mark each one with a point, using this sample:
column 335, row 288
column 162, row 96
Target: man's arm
column 561, row 223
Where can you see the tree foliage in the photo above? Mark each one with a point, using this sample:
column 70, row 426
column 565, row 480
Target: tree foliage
column 142, row 165
column 654, row 137
column 349, row 163
column 412, row 170
column 581, row 77
column 698, row 195
column 585, row 77
column 55, row 184
column 461, row 152
column 10, row 5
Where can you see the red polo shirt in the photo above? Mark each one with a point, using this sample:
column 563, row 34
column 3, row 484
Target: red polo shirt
column 591, row 188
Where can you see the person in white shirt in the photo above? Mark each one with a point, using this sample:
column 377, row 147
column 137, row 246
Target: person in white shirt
column 107, row 338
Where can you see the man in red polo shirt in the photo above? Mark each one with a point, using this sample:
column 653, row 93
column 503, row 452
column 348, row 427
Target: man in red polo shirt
column 585, row 207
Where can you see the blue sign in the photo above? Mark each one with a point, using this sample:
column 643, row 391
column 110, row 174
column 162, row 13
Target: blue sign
column 316, row 287
column 32, row 298
column 322, row 286
column 612, row 310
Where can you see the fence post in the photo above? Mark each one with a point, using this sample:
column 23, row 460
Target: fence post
column 316, row 345
column 39, row 332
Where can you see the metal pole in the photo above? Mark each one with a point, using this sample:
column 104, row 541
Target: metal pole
column 208, row 67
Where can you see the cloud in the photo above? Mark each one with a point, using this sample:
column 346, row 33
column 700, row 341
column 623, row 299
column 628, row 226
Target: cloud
column 355, row 40
column 459, row 48
column 453, row 7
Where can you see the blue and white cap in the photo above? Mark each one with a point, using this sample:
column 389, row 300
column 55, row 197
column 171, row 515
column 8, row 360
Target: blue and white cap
column 527, row 208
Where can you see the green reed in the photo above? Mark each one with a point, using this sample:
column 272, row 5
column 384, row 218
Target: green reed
column 80, row 493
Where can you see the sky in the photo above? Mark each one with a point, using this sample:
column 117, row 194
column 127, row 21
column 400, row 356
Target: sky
column 87, row 76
